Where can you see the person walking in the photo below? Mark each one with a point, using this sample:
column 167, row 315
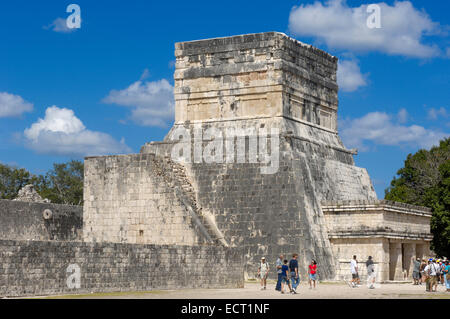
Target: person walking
column 354, row 270
column 285, row 277
column 263, row 271
column 416, row 271
column 293, row 268
column 426, row 273
column 430, row 271
column 279, row 265
column 423, row 276
column 441, row 272
column 370, row 273
column 437, row 269
column 447, row 275
column 312, row 272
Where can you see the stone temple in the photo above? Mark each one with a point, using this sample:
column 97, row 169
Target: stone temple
column 207, row 202
column 318, row 203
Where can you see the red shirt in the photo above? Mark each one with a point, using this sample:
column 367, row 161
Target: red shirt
column 312, row 269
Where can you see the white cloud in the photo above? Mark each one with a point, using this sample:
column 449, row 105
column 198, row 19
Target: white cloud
column 152, row 103
column 13, row 105
column 342, row 27
column 60, row 25
column 349, row 76
column 434, row 114
column 380, row 128
column 402, row 116
column 62, row 133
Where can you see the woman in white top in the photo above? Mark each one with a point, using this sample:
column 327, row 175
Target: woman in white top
column 263, row 271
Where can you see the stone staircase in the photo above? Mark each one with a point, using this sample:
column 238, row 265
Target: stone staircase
column 175, row 176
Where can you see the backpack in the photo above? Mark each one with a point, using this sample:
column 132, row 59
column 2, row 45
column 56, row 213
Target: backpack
column 437, row 269
column 429, row 270
column 261, row 265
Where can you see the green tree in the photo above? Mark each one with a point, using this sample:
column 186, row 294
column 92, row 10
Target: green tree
column 12, row 179
column 439, row 199
column 64, row 183
column 425, row 180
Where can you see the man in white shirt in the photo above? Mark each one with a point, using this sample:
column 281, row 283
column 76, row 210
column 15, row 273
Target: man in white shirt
column 431, row 271
column 354, row 270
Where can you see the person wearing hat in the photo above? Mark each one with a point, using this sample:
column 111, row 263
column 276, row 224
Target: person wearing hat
column 428, row 274
column 431, row 271
column 438, row 272
column 263, row 272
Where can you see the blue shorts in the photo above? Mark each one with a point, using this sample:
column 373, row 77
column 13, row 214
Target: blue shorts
column 313, row 277
column 285, row 279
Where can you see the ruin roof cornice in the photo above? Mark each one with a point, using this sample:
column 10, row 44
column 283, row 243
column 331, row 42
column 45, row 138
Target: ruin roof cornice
column 262, row 37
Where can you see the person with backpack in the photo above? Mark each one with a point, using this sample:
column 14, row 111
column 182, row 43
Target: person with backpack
column 293, row 268
column 263, row 272
column 431, row 272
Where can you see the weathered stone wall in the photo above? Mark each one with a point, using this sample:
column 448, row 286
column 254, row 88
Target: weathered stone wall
column 262, row 82
column 377, row 218
column 129, row 200
column 27, row 221
column 269, row 214
column 392, row 233
column 345, row 248
column 255, row 76
column 40, row 267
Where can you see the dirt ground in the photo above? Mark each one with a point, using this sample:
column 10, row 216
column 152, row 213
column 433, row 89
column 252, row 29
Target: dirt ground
column 326, row 290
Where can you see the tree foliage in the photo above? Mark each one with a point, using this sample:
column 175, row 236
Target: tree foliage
column 64, row 183
column 61, row 185
column 12, row 179
column 425, row 181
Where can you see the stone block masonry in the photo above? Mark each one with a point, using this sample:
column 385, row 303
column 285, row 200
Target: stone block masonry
column 255, row 81
column 255, row 75
column 134, row 199
column 41, row 267
column 40, row 221
column 392, row 233
column 152, row 223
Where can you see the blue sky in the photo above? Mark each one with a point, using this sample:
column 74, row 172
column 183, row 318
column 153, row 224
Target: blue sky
column 66, row 94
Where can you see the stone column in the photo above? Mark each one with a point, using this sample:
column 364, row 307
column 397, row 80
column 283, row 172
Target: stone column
column 395, row 261
column 383, row 266
column 420, row 251
column 410, row 253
